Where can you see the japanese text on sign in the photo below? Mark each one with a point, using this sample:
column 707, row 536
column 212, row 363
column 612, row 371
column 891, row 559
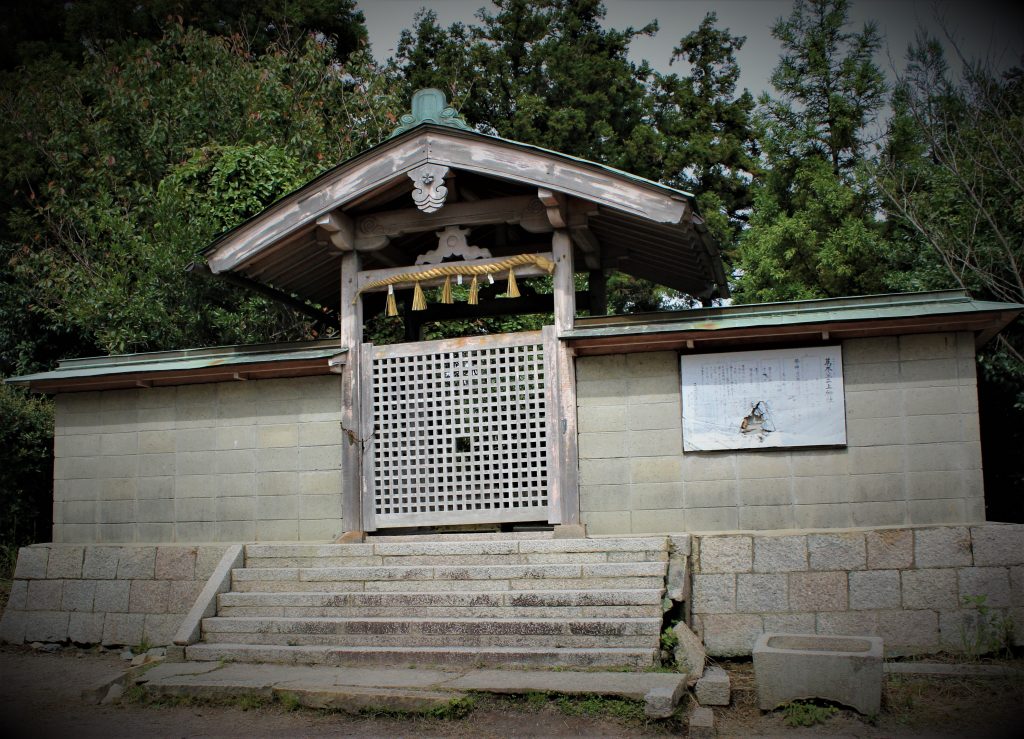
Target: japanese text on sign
column 765, row 399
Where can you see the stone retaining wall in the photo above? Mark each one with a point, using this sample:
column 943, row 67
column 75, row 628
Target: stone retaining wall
column 904, row 585
column 105, row 594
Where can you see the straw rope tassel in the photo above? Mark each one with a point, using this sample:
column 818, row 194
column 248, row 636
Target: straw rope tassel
column 474, row 289
column 513, row 288
column 418, row 301
column 466, row 268
column 392, row 308
column 446, row 291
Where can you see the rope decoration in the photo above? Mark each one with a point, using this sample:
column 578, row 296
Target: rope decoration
column 458, row 269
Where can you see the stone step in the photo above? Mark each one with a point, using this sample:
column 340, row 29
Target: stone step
column 251, row 585
column 402, row 547
column 427, row 632
column 635, row 658
column 464, row 536
column 432, row 640
column 642, row 603
column 421, row 573
column 644, row 611
column 534, row 558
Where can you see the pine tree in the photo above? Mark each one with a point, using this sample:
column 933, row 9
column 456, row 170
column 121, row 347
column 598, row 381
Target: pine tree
column 814, row 231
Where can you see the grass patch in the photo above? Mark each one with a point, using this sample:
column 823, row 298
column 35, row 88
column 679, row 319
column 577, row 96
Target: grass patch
column 288, row 701
column 599, row 706
column 249, row 702
column 453, row 710
column 135, row 693
column 807, row 713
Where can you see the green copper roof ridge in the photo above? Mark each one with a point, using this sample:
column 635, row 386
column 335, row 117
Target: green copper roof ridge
column 429, row 105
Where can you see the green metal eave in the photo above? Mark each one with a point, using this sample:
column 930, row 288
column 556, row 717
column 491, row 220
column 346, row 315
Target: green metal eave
column 188, row 366
column 829, row 318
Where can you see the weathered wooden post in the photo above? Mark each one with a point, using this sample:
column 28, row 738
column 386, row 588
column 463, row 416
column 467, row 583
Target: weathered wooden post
column 352, row 424
column 564, row 449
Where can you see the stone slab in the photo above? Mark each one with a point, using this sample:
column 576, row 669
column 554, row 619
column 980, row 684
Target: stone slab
column 403, row 689
column 702, row 723
column 206, row 604
column 690, row 654
column 714, row 688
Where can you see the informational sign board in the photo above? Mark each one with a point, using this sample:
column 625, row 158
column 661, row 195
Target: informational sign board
column 764, row 399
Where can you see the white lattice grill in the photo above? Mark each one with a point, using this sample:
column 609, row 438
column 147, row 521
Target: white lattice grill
column 460, row 435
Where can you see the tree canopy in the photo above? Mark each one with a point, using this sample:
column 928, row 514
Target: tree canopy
column 814, row 231
column 119, row 169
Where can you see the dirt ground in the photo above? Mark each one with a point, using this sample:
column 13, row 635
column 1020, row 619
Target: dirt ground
column 40, row 696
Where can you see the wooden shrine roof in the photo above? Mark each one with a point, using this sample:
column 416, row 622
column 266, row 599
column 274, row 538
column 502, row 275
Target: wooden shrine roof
column 495, row 188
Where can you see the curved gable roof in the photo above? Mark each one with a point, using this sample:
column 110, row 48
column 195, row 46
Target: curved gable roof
column 651, row 230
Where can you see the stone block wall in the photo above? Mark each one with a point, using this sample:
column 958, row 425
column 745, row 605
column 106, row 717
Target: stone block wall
column 906, row 585
column 913, row 453
column 231, row 461
column 105, row 594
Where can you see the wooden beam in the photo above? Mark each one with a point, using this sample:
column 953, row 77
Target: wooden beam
column 584, row 238
column 554, row 204
column 325, row 316
column 524, row 210
column 525, row 305
column 580, row 213
column 339, row 228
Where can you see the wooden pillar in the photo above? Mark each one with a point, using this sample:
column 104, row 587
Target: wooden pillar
column 565, row 284
column 564, row 455
column 352, row 426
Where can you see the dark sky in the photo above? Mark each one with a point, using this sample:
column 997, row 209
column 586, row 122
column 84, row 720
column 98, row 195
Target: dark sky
column 983, row 27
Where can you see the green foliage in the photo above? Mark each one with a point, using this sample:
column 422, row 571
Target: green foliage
column 599, row 706
column 26, row 467
column 288, row 701
column 805, row 713
column 991, row 632
column 32, row 29
column 669, row 640
column 453, row 710
column 950, row 174
column 548, row 73
column 814, row 230
column 123, row 168
column 250, row 702
column 142, row 647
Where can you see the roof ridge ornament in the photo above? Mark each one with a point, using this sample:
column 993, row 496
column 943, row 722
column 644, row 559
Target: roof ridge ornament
column 429, row 105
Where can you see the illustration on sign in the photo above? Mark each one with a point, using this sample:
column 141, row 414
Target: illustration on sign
column 765, row 399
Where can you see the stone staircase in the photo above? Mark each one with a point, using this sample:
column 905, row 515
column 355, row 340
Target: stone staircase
column 494, row 602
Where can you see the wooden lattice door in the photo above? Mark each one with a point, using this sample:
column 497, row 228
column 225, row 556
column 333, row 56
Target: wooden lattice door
column 460, row 431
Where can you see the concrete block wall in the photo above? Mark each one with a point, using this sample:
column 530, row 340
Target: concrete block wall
column 913, row 453
column 232, row 461
column 105, row 594
column 906, row 585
